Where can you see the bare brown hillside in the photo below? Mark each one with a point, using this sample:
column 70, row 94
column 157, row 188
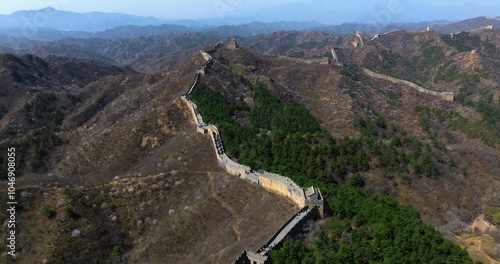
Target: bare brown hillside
column 134, row 177
column 189, row 214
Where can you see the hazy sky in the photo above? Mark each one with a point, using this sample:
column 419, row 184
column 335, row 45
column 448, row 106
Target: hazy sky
column 195, row 9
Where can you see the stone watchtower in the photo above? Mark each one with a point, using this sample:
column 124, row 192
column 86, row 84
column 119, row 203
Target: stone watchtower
column 314, row 198
column 233, row 44
column 357, row 40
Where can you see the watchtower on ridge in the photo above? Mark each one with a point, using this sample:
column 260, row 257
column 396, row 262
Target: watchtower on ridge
column 233, row 44
column 314, row 198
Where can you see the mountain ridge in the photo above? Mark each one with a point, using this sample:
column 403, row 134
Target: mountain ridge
column 59, row 24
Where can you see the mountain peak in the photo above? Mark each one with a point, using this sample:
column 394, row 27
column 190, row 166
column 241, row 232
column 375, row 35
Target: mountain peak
column 49, row 8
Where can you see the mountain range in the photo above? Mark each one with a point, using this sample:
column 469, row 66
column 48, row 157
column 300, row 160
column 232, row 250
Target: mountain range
column 52, row 24
column 71, row 21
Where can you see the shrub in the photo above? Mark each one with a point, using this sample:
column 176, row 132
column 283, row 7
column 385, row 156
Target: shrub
column 356, row 181
column 113, row 207
column 117, row 251
column 70, row 213
column 380, row 122
column 48, row 212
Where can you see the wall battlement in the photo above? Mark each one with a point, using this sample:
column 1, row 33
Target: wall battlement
column 448, row 96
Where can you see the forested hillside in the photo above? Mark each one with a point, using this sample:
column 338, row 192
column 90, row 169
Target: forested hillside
column 286, row 139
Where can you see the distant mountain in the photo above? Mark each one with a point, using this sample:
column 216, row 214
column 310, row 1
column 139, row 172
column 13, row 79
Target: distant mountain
column 49, row 34
column 71, row 21
column 149, row 54
column 413, row 11
column 317, row 10
column 469, row 24
column 366, row 28
column 259, row 28
column 31, row 70
column 140, row 31
column 325, row 11
column 133, row 31
column 42, row 34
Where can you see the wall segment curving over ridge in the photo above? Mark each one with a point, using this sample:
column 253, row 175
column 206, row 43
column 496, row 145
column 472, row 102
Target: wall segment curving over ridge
column 310, row 199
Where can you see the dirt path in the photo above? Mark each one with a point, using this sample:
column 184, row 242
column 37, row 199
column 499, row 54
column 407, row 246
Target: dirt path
column 478, row 241
column 480, row 224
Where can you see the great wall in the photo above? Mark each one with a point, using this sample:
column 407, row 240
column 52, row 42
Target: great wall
column 309, row 199
column 448, row 96
column 356, row 41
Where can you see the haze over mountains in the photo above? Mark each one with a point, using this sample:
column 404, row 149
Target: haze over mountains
column 71, row 21
column 217, row 13
column 392, row 12
column 49, row 24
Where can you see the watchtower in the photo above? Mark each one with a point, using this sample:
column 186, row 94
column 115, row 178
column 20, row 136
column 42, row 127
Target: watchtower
column 448, row 96
column 233, row 44
column 358, row 40
column 314, row 198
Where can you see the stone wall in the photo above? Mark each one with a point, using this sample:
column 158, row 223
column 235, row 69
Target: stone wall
column 283, row 186
column 448, row 96
column 269, row 181
column 298, row 227
column 198, row 119
column 299, row 60
column 283, row 226
column 205, row 55
column 196, row 80
column 287, row 232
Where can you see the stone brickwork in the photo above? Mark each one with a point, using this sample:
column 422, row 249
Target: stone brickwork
column 283, row 186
